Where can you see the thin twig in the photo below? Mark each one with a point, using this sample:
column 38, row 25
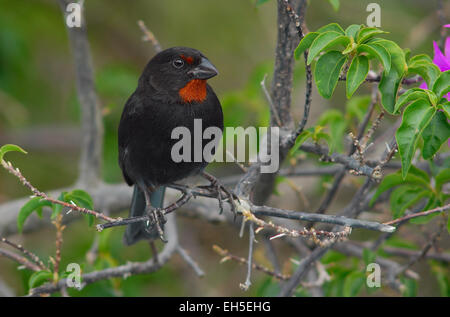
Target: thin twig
column 91, row 117
column 269, row 100
column 59, row 240
column 20, row 259
column 189, row 260
column 149, row 36
column 308, row 94
column 226, row 255
column 419, row 214
column 30, row 255
column 424, row 251
column 125, row 270
column 251, row 241
column 16, row 172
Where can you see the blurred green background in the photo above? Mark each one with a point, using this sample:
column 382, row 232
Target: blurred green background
column 39, row 111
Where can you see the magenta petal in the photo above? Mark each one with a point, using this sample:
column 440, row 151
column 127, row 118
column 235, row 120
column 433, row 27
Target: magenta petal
column 447, row 48
column 423, row 85
column 439, row 58
column 447, row 26
column 447, row 96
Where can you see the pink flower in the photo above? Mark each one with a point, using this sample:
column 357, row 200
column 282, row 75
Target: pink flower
column 441, row 60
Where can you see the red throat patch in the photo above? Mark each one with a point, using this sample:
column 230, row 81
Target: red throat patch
column 195, row 90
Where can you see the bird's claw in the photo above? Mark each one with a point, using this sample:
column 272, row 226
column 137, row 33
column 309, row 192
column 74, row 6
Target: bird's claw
column 219, row 188
column 156, row 218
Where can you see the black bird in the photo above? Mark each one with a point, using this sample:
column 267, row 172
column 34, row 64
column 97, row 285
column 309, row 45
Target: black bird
column 172, row 92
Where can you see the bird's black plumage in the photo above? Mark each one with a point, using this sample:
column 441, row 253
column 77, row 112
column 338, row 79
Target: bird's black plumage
column 172, row 92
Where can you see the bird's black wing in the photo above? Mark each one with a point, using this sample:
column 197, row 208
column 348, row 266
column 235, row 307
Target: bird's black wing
column 125, row 134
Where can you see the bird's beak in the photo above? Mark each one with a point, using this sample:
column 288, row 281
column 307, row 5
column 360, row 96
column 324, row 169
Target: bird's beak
column 204, row 70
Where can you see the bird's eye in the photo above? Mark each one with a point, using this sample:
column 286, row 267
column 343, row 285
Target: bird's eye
column 178, row 63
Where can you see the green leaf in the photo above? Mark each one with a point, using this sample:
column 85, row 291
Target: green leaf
column 388, row 87
column 446, row 108
column 390, row 82
column 335, row 120
column 301, row 139
column 305, row 43
column 420, row 58
column 415, row 177
column 415, row 118
column 398, row 61
column 328, row 69
column 410, row 289
column 421, row 174
column 368, row 256
column 406, row 196
column 324, row 41
column 335, row 4
column 90, row 219
column 10, row 148
column 350, row 47
column 411, row 95
column 39, row 278
column 260, row 2
column 34, row 204
column 435, row 134
column 442, row 84
column 379, row 52
column 356, row 74
column 442, row 178
column 352, row 30
column 442, row 276
column 80, row 198
column 428, row 71
column 331, row 27
column 407, row 53
column 367, row 33
column 57, row 208
column 353, row 283
column 357, row 107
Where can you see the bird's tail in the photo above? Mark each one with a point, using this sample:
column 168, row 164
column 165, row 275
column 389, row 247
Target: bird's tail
column 138, row 230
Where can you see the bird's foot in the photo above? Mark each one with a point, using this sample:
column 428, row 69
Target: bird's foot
column 156, row 219
column 219, row 188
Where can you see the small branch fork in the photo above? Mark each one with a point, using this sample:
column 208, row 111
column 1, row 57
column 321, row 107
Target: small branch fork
column 30, row 260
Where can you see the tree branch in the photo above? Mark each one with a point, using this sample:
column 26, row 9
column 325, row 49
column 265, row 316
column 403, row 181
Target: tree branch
column 91, row 118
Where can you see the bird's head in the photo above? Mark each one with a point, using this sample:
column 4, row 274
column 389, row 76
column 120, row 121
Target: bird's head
column 179, row 71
